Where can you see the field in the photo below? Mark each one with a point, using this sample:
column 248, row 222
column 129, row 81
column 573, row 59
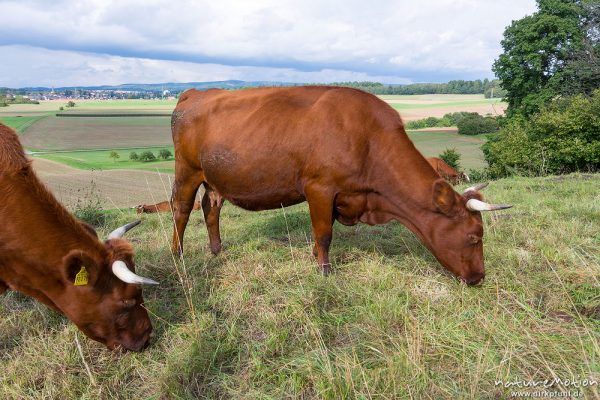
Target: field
column 258, row 321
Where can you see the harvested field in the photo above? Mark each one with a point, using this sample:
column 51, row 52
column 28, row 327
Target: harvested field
column 114, row 188
column 57, row 133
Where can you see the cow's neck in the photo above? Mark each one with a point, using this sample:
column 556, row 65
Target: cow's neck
column 403, row 186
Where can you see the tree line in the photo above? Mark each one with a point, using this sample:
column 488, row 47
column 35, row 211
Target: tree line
column 477, row 86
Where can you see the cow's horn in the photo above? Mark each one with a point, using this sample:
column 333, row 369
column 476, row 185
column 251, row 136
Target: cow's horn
column 476, row 187
column 120, row 231
column 478, row 205
column 121, row 271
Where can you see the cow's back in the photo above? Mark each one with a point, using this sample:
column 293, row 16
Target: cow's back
column 277, row 138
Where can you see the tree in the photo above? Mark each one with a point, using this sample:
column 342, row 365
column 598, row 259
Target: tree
column 147, row 156
column 563, row 137
column 114, row 155
column 165, row 154
column 584, row 66
column 133, row 156
column 451, row 157
column 71, row 103
column 532, row 67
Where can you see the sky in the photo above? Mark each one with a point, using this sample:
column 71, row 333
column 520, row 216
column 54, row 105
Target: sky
column 109, row 42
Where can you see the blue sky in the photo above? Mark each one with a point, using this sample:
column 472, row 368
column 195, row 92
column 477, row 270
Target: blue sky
column 93, row 42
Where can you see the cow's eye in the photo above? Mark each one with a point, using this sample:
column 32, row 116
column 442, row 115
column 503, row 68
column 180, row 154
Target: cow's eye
column 128, row 303
column 474, row 239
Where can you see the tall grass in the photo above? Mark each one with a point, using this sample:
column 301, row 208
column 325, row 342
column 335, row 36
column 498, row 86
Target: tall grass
column 259, row 321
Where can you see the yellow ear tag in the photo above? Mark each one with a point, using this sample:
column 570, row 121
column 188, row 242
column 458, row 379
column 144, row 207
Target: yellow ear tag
column 81, row 279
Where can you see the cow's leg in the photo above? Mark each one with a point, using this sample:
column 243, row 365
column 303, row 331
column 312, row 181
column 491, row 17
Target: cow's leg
column 187, row 181
column 211, row 207
column 320, row 204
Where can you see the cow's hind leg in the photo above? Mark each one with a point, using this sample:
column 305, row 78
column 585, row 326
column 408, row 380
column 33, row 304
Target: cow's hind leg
column 320, row 204
column 187, row 181
column 211, row 207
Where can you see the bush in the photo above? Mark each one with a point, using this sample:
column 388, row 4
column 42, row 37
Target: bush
column 165, row 154
column 477, row 124
column 147, row 156
column 563, row 137
column 89, row 207
column 451, row 157
column 133, row 156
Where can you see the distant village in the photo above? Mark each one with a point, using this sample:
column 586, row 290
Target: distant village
column 32, row 96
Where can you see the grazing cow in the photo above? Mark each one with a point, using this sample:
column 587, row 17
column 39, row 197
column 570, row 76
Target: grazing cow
column 446, row 171
column 342, row 150
column 47, row 254
column 163, row 206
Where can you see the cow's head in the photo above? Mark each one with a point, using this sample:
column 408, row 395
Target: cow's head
column 107, row 304
column 454, row 233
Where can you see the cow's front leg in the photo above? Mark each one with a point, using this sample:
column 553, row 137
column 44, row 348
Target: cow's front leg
column 187, row 181
column 211, row 207
column 320, row 204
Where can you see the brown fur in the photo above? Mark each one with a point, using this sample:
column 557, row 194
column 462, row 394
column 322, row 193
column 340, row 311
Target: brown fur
column 342, row 150
column 163, row 206
column 446, row 171
column 42, row 248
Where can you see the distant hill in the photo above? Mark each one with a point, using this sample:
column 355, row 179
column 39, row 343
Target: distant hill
column 170, row 86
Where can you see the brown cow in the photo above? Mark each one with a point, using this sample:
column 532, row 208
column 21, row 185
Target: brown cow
column 342, row 150
column 446, row 171
column 47, row 254
column 163, row 206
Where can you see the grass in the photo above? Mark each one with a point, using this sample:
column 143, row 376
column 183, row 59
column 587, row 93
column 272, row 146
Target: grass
column 99, row 159
column 432, row 143
column 21, row 123
column 258, row 321
column 408, row 106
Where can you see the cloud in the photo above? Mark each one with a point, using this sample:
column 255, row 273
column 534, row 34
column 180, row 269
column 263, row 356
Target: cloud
column 394, row 39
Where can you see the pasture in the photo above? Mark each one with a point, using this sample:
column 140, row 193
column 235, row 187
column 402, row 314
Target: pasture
column 259, row 322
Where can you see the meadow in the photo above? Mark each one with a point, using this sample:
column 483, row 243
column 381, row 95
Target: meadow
column 259, row 322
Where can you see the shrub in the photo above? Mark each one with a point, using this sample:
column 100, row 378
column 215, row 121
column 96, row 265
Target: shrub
column 133, row 156
column 114, row 155
column 477, row 124
column 147, row 156
column 165, row 154
column 563, row 137
column 451, row 157
column 89, row 207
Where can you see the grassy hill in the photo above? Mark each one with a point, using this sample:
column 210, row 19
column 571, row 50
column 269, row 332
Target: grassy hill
column 258, row 321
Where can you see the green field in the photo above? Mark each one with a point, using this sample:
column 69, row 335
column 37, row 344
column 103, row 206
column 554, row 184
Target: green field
column 99, row 159
column 433, row 143
column 259, row 322
column 21, row 123
column 62, row 138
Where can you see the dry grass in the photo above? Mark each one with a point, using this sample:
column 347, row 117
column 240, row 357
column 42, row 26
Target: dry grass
column 258, row 321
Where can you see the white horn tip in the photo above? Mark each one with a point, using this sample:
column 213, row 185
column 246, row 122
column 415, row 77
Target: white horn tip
column 121, row 271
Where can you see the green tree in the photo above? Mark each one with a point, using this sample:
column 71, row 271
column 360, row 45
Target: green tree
column 147, row 156
column 536, row 50
column 114, row 155
column 133, row 156
column 165, row 154
column 451, row 157
column 71, row 103
column 563, row 137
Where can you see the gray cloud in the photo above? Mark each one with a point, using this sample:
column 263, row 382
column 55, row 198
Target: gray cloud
column 396, row 40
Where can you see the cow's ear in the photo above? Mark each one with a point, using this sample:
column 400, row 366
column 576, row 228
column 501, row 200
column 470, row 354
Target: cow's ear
column 444, row 197
column 79, row 269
